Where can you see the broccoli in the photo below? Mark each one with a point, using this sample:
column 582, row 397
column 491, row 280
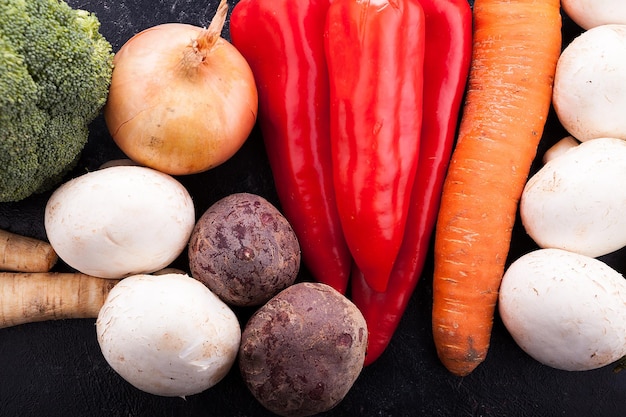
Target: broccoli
column 55, row 72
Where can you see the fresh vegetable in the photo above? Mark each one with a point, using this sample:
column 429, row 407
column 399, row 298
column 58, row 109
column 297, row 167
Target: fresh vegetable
column 448, row 42
column 169, row 270
column 589, row 86
column 559, row 148
column 591, row 13
column 376, row 86
column 574, row 201
column 29, row 297
column 303, row 350
column 118, row 162
column 183, row 100
column 54, row 78
column 566, row 310
column 244, row 250
column 25, row 254
column 167, row 335
column 119, row 221
column 515, row 49
column 294, row 122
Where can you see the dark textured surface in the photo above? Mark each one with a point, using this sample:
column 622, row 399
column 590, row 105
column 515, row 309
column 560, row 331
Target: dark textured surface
column 56, row 368
column 244, row 250
column 302, row 351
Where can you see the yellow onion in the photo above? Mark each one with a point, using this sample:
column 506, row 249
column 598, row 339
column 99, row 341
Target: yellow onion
column 182, row 99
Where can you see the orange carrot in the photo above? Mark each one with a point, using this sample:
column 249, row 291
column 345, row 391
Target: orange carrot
column 515, row 49
column 25, row 254
column 33, row 297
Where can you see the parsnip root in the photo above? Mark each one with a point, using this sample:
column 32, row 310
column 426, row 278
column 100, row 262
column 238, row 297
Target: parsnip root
column 25, row 254
column 34, row 297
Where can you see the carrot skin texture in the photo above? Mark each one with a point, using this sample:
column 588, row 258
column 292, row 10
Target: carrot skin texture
column 35, row 297
column 515, row 49
column 374, row 53
column 283, row 43
column 25, row 254
column 448, row 31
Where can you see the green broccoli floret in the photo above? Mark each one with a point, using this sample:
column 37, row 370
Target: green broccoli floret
column 55, row 72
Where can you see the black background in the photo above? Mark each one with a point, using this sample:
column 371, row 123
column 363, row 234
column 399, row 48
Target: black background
column 56, row 368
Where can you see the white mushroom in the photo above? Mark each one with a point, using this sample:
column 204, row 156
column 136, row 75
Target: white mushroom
column 119, row 221
column 118, row 162
column 565, row 310
column 591, row 13
column 576, row 201
column 167, row 335
column 589, row 93
column 559, row 148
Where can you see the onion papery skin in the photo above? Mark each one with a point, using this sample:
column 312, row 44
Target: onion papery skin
column 178, row 105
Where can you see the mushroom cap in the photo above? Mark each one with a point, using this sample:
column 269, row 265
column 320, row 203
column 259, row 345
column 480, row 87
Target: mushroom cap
column 589, row 94
column 565, row 310
column 591, row 13
column 167, row 335
column 575, row 201
column 119, row 221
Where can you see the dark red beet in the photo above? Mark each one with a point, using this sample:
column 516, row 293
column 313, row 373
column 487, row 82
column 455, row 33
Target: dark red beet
column 244, row 250
column 302, row 351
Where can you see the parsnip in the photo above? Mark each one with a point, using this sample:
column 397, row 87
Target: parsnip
column 25, row 254
column 33, row 297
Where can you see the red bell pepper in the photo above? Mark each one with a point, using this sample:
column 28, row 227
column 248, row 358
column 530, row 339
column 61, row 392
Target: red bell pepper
column 283, row 42
column 446, row 67
column 374, row 53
